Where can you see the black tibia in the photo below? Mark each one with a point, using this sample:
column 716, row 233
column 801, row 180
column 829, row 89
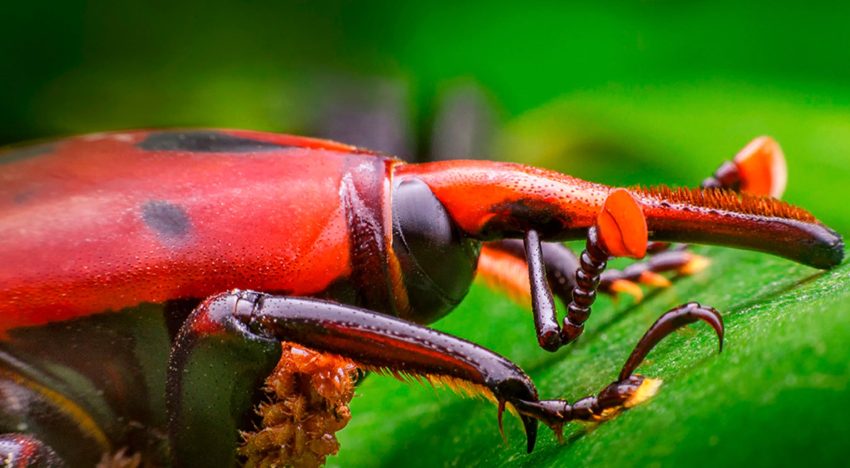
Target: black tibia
column 669, row 259
column 542, row 303
column 560, row 263
column 22, row 451
column 231, row 342
column 247, row 322
column 625, row 391
column 578, row 289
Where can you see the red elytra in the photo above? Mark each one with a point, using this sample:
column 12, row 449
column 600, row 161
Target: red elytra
column 100, row 224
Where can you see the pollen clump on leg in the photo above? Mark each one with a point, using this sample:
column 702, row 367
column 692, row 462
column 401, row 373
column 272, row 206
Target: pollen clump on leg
column 309, row 394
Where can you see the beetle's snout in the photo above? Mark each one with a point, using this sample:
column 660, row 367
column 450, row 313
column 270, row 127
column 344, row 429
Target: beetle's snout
column 827, row 250
column 723, row 217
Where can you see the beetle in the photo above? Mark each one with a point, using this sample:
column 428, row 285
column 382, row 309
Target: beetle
column 148, row 278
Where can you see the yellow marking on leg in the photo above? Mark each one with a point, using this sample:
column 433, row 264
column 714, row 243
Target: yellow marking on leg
column 629, row 287
column 696, row 264
column 647, row 389
column 652, row 278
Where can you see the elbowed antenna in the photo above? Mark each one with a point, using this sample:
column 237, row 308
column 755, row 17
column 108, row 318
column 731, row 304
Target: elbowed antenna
column 492, row 200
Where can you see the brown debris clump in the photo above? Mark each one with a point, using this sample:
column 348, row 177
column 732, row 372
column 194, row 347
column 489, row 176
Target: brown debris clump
column 309, row 394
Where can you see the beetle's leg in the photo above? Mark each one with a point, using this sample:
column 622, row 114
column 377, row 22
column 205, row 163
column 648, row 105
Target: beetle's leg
column 215, row 369
column 40, row 422
column 246, row 322
column 678, row 260
column 21, row 451
column 619, row 230
column 374, row 341
column 629, row 389
column 503, row 265
column 542, row 304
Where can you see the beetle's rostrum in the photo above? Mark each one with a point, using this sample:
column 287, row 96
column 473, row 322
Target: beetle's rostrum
column 164, row 268
column 500, row 208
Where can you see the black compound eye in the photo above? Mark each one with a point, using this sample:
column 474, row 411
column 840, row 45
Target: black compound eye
column 438, row 261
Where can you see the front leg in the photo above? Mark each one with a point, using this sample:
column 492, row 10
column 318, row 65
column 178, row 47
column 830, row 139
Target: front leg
column 231, row 342
column 203, row 433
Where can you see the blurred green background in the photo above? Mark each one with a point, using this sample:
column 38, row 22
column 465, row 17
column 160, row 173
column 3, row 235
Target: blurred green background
column 614, row 91
column 617, row 92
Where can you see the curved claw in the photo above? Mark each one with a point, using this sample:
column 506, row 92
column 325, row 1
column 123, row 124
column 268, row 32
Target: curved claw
column 629, row 390
column 530, row 425
column 669, row 322
column 501, row 424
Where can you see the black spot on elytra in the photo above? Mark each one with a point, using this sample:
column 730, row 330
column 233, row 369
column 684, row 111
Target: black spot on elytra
column 166, row 218
column 25, row 152
column 205, row 141
column 23, row 197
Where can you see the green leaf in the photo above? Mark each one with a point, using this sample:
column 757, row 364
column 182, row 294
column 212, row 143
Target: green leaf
column 784, row 368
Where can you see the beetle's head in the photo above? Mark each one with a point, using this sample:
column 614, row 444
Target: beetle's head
column 437, row 260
